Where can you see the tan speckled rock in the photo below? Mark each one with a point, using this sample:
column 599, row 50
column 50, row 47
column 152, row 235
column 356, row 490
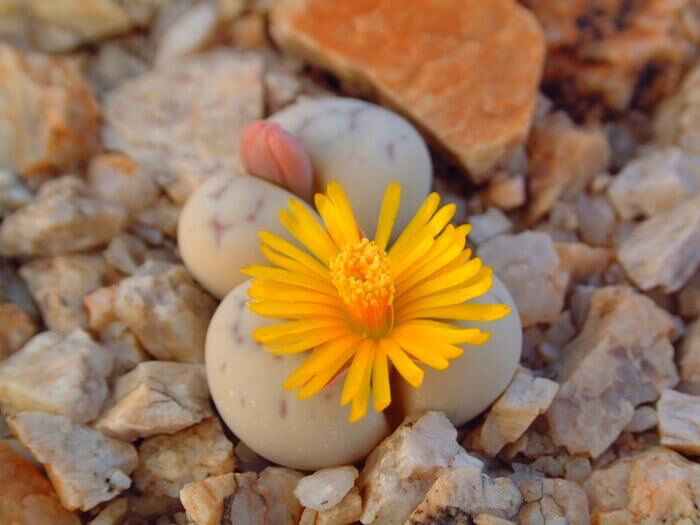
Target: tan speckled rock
column 349, row 510
column 62, row 218
column 553, row 501
column 664, row 250
column 528, row 265
column 59, row 285
column 277, row 484
column 655, row 182
column 616, row 53
column 100, row 307
column 166, row 310
column 581, row 261
column 510, row 416
column 622, row 358
column 204, row 500
column 116, row 178
column 324, row 489
column 50, row 118
column 400, row 471
column 188, row 33
column 655, row 486
column 26, row 497
column 465, row 492
column 16, row 328
column 157, row 397
column 167, row 463
column 113, row 514
column 65, row 24
column 690, row 360
column 187, row 134
column 13, row 193
column 473, row 90
column 85, row 467
column 124, row 346
column 677, row 119
column 679, row 421
column 56, row 373
column 563, row 160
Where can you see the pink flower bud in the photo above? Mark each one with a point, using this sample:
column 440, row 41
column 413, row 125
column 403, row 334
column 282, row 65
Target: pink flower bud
column 271, row 153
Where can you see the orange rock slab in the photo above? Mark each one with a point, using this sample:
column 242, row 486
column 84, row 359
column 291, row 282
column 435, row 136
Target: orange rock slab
column 26, row 497
column 465, row 71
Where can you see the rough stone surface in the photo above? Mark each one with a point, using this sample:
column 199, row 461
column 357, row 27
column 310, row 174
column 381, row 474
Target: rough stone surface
column 654, row 182
column 50, row 118
column 488, row 225
column 677, row 119
column 59, row 285
column 510, row 416
column 615, row 53
column 553, row 501
column 689, row 297
column 204, row 500
column 583, row 262
column 679, row 421
column 13, row 193
column 528, row 265
column 349, row 510
column 26, row 497
column 473, row 91
column 166, row 310
column 157, row 398
column 187, row 134
column 563, row 160
column 690, row 360
column 85, row 467
column 113, row 177
column 124, row 346
column 277, row 484
column 643, row 419
column 99, row 305
column 16, row 328
column 57, row 373
column 167, row 463
column 664, row 250
column 62, row 218
column 654, row 486
column 325, row 488
column 113, row 514
column 465, row 492
column 622, row 358
column 403, row 467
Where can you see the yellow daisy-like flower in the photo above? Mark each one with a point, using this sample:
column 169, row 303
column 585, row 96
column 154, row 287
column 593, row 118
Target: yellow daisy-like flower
column 350, row 300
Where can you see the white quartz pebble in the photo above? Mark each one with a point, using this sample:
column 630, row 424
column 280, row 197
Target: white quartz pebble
column 363, row 147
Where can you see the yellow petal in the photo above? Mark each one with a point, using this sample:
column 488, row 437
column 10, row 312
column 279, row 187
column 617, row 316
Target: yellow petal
column 331, row 219
column 387, row 215
column 361, row 399
column 443, row 331
column 321, row 359
column 307, row 342
column 348, row 224
column 380, row 380
column 310, row 234
column 419, row 220
column 272, row 291
column 455, row 277
column 466, row 312
column 321, row 379
column 421, row 352
column 360, row 363
column 268, row 333
column 295, row 310
column 445, row 241
column 285, row 247
column 404, row 365
column 280, row 275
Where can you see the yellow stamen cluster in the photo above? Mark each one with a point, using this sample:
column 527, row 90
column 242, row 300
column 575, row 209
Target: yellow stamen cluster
column 364, row 310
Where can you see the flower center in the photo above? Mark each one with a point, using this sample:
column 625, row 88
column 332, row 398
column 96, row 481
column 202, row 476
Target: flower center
column 362, row 276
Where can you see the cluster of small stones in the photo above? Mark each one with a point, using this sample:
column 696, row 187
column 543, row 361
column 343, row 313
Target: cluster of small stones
column 111, row 116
